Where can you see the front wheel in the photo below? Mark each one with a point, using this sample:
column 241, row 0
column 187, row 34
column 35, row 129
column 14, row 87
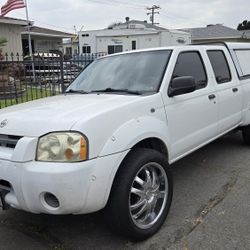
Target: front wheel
column 141, row 194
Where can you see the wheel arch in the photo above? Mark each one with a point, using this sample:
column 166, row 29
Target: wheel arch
column 154, row 143
column 146, row 131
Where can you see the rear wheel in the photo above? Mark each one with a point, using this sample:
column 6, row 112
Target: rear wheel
column 141, row 194
column 246, row 134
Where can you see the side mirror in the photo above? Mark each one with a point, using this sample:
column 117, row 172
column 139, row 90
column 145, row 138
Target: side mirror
column 181, row 85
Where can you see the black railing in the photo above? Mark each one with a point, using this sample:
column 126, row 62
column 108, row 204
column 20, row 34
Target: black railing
column 24, row 78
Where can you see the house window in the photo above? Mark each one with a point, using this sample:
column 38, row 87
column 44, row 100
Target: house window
column 86, row 49
column 133, row 45
column 112, row 49
column 84, row 35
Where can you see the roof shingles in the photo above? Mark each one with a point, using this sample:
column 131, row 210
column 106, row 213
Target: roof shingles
column 45, row 31
column 144, row 23
column 214, row 32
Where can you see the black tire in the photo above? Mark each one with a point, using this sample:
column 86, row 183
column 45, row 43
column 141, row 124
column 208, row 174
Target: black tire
column 246, row 134
column 119, row 208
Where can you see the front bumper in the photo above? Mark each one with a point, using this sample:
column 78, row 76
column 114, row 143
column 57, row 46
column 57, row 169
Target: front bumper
column 79, row 187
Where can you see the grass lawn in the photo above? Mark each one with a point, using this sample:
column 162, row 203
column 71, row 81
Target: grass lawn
column 31, row 93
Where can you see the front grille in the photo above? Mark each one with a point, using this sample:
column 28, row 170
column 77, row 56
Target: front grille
column 9, row 141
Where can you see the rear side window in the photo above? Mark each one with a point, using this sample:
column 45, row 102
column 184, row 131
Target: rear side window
column 244, row 61
column 190, row 64
column 220, row 66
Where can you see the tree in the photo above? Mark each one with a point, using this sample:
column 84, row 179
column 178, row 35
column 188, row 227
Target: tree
column 245, row 25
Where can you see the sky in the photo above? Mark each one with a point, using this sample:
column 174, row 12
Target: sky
column 64, row 15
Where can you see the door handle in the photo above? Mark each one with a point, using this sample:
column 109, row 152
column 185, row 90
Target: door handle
column 235, row 90
column 211, row 97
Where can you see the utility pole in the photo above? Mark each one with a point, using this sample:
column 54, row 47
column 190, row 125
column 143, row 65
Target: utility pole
column 152, row 12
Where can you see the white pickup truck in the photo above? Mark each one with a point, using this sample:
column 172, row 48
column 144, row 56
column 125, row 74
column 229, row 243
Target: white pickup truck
column 109, row 140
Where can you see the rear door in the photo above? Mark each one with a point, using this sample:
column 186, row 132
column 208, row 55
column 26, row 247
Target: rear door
column 228, row 88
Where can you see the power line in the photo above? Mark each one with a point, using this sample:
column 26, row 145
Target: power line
column 116, row 3
column 132, row 4
column 152, row 12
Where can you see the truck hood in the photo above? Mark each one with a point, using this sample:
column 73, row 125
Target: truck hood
column 57, row 113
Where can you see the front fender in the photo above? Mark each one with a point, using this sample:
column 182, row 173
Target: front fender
column 128, row 135
column 134, row 131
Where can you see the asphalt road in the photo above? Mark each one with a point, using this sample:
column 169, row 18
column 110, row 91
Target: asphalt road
column 210, row 210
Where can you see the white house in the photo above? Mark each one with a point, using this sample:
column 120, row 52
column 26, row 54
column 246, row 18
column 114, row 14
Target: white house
column 44, row 40
column 10, row 29
column 130, row 35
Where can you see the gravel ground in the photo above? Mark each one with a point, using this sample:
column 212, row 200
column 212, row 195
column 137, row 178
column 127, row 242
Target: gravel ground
column 210, row 210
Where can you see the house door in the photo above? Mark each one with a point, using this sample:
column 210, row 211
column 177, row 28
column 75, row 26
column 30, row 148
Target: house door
column 25, row 44
column 133, row 44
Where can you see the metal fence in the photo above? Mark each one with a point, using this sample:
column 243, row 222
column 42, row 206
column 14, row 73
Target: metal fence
column 27, row 78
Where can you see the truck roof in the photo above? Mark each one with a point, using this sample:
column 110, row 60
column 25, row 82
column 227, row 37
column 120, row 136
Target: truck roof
column 228, row 45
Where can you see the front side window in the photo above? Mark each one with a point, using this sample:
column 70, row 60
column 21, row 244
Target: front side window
column 142, row 72
column 220, row 66
column 190, row 64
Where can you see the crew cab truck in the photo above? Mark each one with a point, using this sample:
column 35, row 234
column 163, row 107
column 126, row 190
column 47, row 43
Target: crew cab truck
column 109, row 140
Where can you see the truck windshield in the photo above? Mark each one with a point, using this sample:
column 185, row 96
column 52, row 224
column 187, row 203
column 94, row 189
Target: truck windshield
column 138, row 73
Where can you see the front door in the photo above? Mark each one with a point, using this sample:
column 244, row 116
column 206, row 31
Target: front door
column 192, row 117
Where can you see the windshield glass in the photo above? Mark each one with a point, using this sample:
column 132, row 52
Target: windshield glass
column 139, row 72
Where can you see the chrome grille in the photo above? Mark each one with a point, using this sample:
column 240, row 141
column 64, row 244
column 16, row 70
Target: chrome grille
column 9, row 141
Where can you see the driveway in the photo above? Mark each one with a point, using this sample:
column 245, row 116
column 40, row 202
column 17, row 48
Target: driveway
column 210, row 210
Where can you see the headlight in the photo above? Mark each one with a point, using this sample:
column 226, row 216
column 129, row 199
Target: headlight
column 62, row 147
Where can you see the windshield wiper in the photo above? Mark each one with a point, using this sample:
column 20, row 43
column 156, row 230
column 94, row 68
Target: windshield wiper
column 111, row 90
column 77, row 91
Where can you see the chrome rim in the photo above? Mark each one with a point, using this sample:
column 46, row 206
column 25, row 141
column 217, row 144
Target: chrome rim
column 148, row 195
